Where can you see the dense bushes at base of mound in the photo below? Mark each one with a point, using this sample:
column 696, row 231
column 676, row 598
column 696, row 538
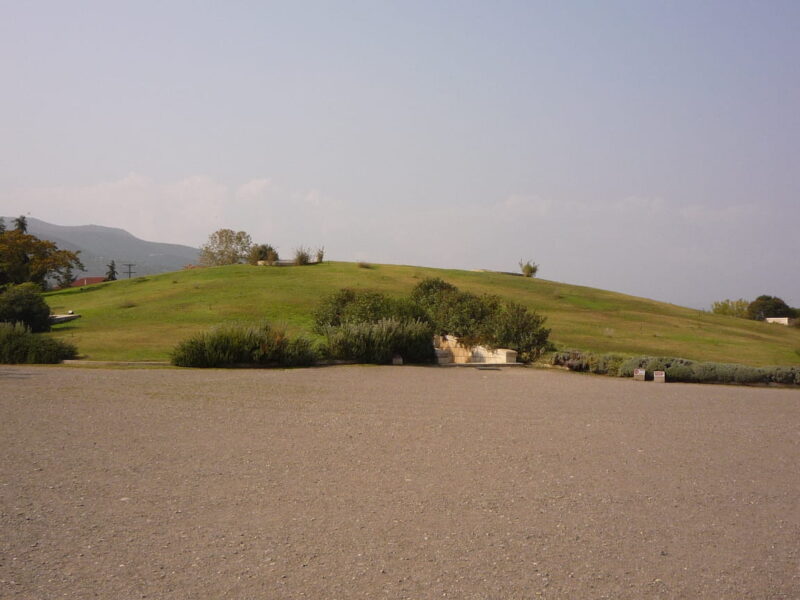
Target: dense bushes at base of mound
column 237, row 344
column 19, row 346
column 262, row 345
column 676, row 369
column 485, row 320
column 378, row 342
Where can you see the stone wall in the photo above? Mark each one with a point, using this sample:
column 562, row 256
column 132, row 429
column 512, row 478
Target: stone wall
column 448, row 351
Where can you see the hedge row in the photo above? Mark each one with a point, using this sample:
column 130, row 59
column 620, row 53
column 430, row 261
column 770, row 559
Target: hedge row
column 676, row 369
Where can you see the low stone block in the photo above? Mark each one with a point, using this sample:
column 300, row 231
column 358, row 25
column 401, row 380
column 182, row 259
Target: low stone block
column 659, row 376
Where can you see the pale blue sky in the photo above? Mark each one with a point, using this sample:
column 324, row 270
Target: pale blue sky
column 646, row 147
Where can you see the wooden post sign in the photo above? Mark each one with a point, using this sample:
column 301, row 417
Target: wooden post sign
column 659, row 376
column 638, row 374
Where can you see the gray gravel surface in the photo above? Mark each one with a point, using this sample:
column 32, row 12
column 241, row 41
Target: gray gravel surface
column 405, row 482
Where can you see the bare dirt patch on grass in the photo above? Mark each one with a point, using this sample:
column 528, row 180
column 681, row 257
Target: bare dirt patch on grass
column 380, row 482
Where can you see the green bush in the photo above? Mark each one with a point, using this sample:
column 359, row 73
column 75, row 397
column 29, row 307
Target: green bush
column 19, row 346
column 356, row 306
column 605, row 364
column 785, row 375
column 24, row 304
column 240, row 344
column 302, row 256
column 528, row 268
column 427, row 291
column 482, row 320
column 600, row 364
column 513, row 326
column 377, row 342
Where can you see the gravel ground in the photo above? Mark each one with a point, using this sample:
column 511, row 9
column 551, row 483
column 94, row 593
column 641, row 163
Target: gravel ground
column 405, row 482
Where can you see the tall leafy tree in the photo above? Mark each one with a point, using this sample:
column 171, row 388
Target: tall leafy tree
column 2, row 226
column 65, row 278
column 225, row 247
column 21, row 224
column 26, row 258
column 769, row 306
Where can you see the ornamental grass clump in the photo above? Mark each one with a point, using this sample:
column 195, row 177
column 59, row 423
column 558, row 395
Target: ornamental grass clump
column 19, row 346
column 378, row 342
column 244, row 345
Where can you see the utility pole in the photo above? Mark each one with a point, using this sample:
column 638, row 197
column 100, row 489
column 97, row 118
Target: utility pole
column 130, row 267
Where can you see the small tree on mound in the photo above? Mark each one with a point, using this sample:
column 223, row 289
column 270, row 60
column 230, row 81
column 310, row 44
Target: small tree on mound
column 111, row 274
column 225, row 247
column 528, row 268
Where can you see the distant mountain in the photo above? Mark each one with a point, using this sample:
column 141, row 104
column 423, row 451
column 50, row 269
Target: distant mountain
column 99, row 245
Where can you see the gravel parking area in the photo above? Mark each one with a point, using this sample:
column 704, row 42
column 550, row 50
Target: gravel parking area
column 393, row 482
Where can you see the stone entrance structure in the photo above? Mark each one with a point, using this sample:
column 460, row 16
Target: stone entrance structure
column 448, row 351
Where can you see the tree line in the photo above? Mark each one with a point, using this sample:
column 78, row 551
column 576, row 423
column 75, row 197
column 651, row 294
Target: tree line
column 761, row 308
column 229, row 247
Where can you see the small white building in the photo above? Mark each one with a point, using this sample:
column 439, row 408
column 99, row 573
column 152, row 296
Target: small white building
column 780, row 320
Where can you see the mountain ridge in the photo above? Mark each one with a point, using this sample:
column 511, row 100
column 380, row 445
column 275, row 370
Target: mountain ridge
column 99, row 245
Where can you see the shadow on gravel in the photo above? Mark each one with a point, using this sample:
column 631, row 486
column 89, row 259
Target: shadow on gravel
column 13, row 375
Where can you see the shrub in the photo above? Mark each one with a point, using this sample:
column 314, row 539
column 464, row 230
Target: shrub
column 513, row 326
column 601, row 364
column 529, row 268
column 784, row 375
column 485, row 320
column 651, row 363
column 320, row 255
column 605, row 364
column 427, row 291
column 302, row 256
column 379, row 341
column 262, row 253
column 348, row 305
column 240, row 344
column 363, row 265
column 731, row 308
column 18, row 345
column 24, row 304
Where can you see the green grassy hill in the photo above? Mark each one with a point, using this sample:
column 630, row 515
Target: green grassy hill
column 143, row 318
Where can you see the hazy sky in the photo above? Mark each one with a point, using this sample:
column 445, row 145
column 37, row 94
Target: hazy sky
column 646, row 147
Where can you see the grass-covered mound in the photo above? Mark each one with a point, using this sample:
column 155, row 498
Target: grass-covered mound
column 143, row 318
column 19, row 346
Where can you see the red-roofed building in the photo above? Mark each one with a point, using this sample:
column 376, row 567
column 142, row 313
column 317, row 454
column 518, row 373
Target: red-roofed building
column 87, row 281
